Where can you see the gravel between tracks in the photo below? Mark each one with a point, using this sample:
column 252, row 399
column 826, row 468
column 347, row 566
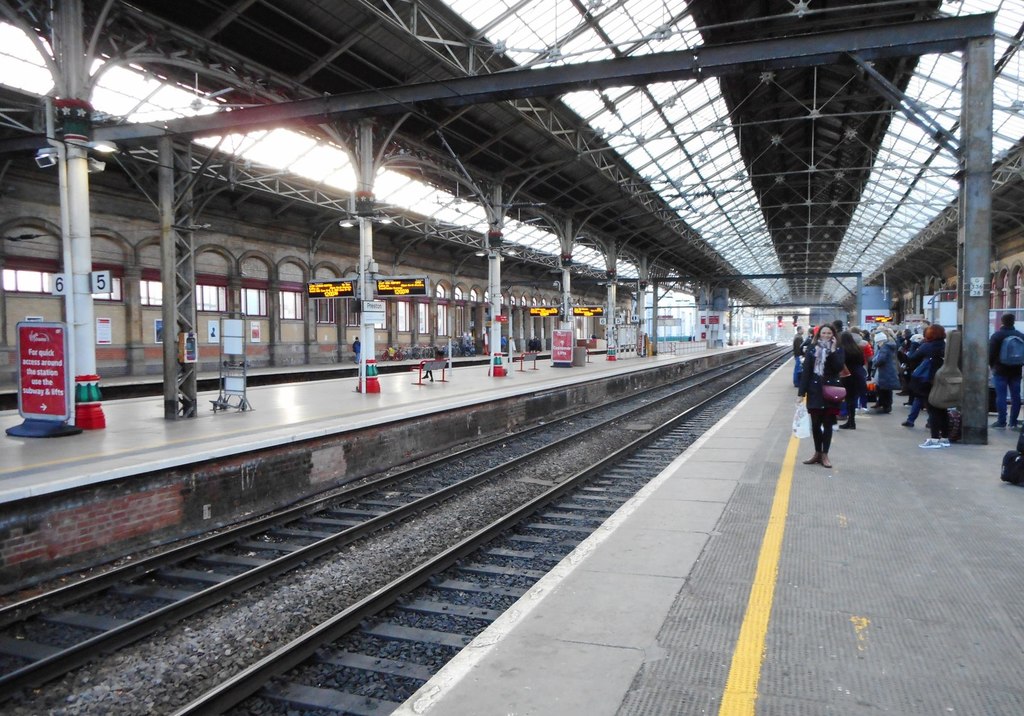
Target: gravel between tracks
column 170, row 668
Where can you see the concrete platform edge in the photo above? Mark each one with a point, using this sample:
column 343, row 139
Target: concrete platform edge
column 430, row 695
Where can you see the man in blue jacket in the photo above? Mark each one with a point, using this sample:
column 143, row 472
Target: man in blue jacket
column 1005, row 376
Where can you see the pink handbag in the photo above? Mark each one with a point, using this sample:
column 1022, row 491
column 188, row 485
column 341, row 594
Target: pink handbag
column 833, row 393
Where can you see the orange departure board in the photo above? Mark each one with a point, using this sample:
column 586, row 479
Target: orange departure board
column 402, row 286
column 543, row 311
column 339, row 288
column 588, row 311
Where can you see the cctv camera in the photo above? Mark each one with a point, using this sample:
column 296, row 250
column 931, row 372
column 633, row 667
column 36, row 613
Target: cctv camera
column 46, row 157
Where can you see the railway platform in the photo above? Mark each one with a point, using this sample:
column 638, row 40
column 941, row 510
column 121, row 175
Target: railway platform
column 742, row 581
column 139, row 439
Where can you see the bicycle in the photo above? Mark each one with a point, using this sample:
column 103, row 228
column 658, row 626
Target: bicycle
column 392, row 353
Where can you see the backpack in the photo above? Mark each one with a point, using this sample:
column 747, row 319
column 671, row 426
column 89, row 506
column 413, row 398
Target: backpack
column 1012, row 470
column 921, row 380
column 1012, row 350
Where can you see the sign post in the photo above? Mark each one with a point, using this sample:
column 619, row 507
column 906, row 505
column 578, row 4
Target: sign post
column 44, row 382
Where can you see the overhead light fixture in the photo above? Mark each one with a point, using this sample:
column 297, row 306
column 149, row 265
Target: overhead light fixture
column 46, row 157
column 386, row 220
column 480, row 253
column 346, row 223
column 103, row 147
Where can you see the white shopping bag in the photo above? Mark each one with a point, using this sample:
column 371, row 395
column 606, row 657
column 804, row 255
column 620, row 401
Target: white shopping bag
column 801, row 422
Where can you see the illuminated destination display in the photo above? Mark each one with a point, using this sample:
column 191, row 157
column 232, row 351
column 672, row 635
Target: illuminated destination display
column 331, row 289
column 402, row 286
column 543, row 311
column 588, row 311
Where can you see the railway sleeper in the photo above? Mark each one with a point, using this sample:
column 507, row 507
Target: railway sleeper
column 397, row 632
column 424, row 606
column 377, row 665
column 313, row 697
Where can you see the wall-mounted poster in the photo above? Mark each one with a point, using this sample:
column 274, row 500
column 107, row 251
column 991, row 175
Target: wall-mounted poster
column 158, row 330
column 212, row 331
column 254, row 331
column 104, row 332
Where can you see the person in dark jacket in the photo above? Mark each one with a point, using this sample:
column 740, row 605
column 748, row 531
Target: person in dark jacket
column 856, row 383
column 886, row 367
column 934, row 347
column 798, row 355
column 822, row 362
column 1005, row 378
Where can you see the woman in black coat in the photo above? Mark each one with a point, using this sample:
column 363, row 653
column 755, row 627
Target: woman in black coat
column 856, row 383
column 822, row 362
column 933, row 347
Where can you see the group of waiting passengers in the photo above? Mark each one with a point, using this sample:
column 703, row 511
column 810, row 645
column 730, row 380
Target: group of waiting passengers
column 829, row 356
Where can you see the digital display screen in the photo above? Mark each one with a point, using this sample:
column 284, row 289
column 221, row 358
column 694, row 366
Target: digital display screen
column 331, row 289
column 543, row 311
column 414, row 286
column 588, row 311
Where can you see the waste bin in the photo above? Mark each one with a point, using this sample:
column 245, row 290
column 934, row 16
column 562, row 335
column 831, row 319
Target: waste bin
column 579, row 355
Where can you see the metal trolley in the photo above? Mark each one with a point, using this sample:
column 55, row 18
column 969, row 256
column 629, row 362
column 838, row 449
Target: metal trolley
column 233, row 366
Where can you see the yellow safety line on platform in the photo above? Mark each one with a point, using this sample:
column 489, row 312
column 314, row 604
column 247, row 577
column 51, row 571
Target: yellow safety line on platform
column 744, row 673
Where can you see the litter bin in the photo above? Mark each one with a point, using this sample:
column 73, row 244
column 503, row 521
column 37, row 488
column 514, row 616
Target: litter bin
column 579, row 355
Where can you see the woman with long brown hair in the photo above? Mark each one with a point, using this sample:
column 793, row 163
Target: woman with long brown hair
column 822, row 362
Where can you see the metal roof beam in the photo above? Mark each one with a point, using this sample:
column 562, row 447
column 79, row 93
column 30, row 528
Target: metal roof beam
column 897, row 40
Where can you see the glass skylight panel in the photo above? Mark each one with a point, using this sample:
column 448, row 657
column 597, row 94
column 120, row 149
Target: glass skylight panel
column 20, row 64
column 321, row 163
column 233, row 144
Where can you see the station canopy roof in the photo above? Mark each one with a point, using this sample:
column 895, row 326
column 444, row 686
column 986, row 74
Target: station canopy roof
column 793, row 171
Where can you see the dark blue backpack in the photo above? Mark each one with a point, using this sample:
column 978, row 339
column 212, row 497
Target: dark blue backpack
column 1012, row 350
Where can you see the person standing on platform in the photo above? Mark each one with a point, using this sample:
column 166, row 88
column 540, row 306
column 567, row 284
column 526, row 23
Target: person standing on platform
column 887, row 376
column 1005, row 360
column 798, row 355
column 932, row 349
column 856, row 383
column 356, row 348
column 822, row 362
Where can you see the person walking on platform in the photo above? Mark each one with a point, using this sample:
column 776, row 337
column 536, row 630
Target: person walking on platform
column 856, row 380
column 356, row 347
column 822, row 362
column 925, row 363
column 1005, row 358
column 798, row 355
column 887, row 377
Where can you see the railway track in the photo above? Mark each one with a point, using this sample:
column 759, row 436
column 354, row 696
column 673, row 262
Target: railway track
column 371, row 657
column 45, row 637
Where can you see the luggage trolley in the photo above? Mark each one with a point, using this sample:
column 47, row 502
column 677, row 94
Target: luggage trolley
column 233, row 366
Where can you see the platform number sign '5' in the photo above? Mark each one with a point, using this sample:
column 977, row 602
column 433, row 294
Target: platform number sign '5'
column 99, row 282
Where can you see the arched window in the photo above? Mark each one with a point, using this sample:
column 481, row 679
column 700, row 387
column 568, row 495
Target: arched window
column 993, row 294
column 1016, row 287
column 458, row 293
column 474, row 296
column 441, row 323
column 1005, row 297
column 292, row 296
